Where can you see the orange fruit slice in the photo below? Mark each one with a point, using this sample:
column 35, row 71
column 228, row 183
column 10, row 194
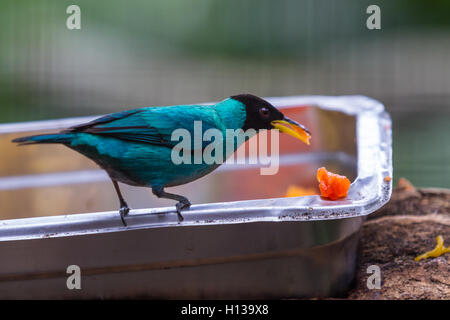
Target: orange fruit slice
column 331, row 185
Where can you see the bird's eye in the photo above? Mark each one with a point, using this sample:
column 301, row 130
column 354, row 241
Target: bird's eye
column 264, row 112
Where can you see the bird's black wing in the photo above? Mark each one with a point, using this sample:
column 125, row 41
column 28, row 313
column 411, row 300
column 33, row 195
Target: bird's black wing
column 153, row 125
column 115, row 126
column 103, row 120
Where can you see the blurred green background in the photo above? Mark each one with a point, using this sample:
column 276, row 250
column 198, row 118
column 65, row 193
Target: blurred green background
column 137, row 53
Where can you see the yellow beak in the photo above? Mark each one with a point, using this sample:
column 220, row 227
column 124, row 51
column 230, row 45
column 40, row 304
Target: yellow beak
column 292, row 128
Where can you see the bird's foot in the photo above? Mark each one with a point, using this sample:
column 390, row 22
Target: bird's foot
column 123, row 212
column 180, row 206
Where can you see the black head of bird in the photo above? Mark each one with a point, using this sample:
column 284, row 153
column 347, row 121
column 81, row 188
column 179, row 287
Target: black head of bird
column 263, row 115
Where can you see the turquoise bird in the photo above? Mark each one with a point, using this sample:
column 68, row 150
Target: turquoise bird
column 135, row 147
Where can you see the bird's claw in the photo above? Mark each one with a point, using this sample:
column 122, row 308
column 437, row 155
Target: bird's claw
column 123, row 212
column 180, row 206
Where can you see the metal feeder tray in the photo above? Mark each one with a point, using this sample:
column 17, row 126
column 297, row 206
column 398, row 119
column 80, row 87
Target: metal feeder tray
column 266, row 248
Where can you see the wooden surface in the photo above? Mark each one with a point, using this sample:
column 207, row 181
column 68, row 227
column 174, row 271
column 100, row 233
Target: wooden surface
column 392, row 237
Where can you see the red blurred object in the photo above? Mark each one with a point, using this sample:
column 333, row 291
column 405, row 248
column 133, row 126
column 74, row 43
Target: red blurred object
column 253, row 185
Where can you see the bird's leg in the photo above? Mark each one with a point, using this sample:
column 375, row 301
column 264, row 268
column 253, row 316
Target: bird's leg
column 183, row 202
column 124, row 209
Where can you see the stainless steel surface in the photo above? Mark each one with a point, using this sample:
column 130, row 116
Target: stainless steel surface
column 267, row 248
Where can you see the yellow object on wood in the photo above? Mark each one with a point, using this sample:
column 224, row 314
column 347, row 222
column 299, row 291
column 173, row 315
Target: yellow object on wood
column 436, row 252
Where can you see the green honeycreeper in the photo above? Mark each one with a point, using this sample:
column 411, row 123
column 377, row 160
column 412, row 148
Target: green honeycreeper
column 134, row 146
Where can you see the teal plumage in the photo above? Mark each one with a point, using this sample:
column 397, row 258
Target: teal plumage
column 135, row 146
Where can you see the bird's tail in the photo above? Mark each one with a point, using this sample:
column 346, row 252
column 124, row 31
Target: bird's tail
column 44, row 138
